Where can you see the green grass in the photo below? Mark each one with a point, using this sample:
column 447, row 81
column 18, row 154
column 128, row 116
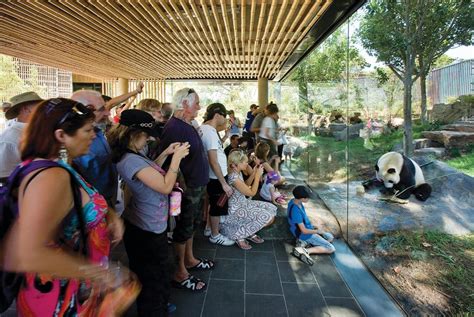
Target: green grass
column 465, row 163
column 325, row 160
column 453, row 257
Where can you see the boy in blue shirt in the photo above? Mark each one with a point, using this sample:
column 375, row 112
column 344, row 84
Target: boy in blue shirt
column 309, row 239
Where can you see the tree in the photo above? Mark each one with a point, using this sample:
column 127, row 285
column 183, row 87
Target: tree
column 443, row 60
column 446, row 24
column 399, row 32
column 391, row 86
column 326, row 64
column 10, row 83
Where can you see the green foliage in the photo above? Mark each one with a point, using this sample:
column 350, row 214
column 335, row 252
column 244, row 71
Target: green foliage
column 10, row 83
column 463, row 163
column 443, row 60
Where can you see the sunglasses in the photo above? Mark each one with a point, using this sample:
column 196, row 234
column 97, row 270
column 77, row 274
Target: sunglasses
column 78, row 110
column 191, row 91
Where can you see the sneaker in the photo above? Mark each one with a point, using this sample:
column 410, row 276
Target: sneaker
column 303, row 255
column 222, row 240
column 301, row 243
column 207, row 232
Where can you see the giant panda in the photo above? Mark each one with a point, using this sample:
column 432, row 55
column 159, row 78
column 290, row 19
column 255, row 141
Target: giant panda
column 398, row 172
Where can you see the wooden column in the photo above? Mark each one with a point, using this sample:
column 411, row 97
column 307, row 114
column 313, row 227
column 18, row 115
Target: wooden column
column 262, row 92
column 122, row 86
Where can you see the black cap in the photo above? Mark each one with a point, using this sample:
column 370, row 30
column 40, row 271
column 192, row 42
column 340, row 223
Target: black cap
column 301, row 192
column 139, row 119
column 213, row 109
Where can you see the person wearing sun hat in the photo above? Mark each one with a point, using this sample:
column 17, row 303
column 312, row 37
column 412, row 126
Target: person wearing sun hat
column 146, row 215
column 22, row 106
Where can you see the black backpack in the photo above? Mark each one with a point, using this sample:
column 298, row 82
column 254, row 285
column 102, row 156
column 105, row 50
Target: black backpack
column 10, row 282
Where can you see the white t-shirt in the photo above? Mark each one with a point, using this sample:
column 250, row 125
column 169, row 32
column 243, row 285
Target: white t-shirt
column 211, row 141
column 10, row 148
column 269, row 123
column 265, row 190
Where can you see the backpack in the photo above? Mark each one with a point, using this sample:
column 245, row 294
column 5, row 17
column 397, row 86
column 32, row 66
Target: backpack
column 10, row 282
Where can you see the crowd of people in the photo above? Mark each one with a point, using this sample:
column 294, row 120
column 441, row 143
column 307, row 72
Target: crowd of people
column 74, row 159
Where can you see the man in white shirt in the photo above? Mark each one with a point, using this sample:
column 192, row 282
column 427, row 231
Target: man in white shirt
column 22, row 106
column 216, row 117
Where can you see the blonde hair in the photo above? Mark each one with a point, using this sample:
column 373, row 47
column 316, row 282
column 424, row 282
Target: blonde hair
column 149, row 105
column 235, row 157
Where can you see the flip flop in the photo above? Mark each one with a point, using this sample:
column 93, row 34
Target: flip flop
column 190, row 283
column 256, row 239
column 203, row 265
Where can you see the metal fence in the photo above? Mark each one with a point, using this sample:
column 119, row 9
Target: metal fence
column 451, row 81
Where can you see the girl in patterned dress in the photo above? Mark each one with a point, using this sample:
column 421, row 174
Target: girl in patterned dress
column 246, row 217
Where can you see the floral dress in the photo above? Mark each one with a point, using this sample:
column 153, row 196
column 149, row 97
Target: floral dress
column 44, row 295
column 246, row 217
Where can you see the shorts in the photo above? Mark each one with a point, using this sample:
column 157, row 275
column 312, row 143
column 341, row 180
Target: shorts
column 214, row 191
column 321, row 240
column 191, row 214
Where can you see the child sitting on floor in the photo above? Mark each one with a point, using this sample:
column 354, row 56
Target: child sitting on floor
column 268, row 191
column 315, row 241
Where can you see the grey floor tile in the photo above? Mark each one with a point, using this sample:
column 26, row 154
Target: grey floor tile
column 224, row 298
column 283, row 250
column 329, row 280
column 188, row 304
column 304, row 300
column 262, row 278
column 267, row 246
column 230, row 252
column 264, row 306
column 298, row 272
column 203, row 243
column 261, row 257
column 208, row 254
column 343, row 307
column 229, row 269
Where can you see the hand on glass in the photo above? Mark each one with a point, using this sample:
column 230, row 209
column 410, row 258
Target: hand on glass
column 182, row 150
column 140, row 86
column 171, row 148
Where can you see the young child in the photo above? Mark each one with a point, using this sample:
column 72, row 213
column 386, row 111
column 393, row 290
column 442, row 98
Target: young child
column 268, row 190
column 245, row 216
column 316, row 242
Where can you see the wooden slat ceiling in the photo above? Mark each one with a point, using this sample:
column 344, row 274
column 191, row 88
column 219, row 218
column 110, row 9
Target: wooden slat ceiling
column 175, row 39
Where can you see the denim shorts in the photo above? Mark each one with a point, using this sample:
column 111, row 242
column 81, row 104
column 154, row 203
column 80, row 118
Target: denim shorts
column 321, row 240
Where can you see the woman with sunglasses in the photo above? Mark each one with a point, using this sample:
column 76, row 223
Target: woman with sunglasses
column 146, row 215
column 63, row 248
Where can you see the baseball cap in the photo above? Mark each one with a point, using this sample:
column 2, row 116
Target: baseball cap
column 141, row 120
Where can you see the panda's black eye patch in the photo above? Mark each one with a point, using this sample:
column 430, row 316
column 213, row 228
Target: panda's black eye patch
column 391, row 171
column 377, row 168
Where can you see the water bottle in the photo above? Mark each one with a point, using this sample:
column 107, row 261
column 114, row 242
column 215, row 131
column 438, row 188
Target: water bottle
column 175, row 200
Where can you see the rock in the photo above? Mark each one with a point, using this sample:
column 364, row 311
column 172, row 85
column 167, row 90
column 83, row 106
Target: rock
column 425, row 143
column 447, row 113
column 351, row 132
column 431, row 151
column 451, row 139
column 336, row 127
column 450, row 208
column 388, row 224
column 461, row 127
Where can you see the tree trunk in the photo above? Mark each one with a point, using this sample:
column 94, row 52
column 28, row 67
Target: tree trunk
column 303, row 101
column 424, row 117
column 408, row 134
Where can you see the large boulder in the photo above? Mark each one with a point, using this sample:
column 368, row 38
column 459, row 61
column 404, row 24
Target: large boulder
column 351, row 132
column 451, row 139
column 449, row 209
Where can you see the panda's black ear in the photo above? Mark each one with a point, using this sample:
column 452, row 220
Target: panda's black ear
column 391, row 171
column 376, row 167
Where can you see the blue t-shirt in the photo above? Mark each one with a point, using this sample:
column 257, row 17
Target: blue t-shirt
column 98, row 169
column 296, row 215
column 195, row 167
column 248, row 121
column 148, row 209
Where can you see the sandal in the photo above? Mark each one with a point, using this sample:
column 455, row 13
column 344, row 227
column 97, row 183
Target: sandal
column 256, row 239
column 191, row 283
column 202, row 265
column 243, row 244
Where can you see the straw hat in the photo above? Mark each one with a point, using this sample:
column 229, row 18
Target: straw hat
column 20, row 100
